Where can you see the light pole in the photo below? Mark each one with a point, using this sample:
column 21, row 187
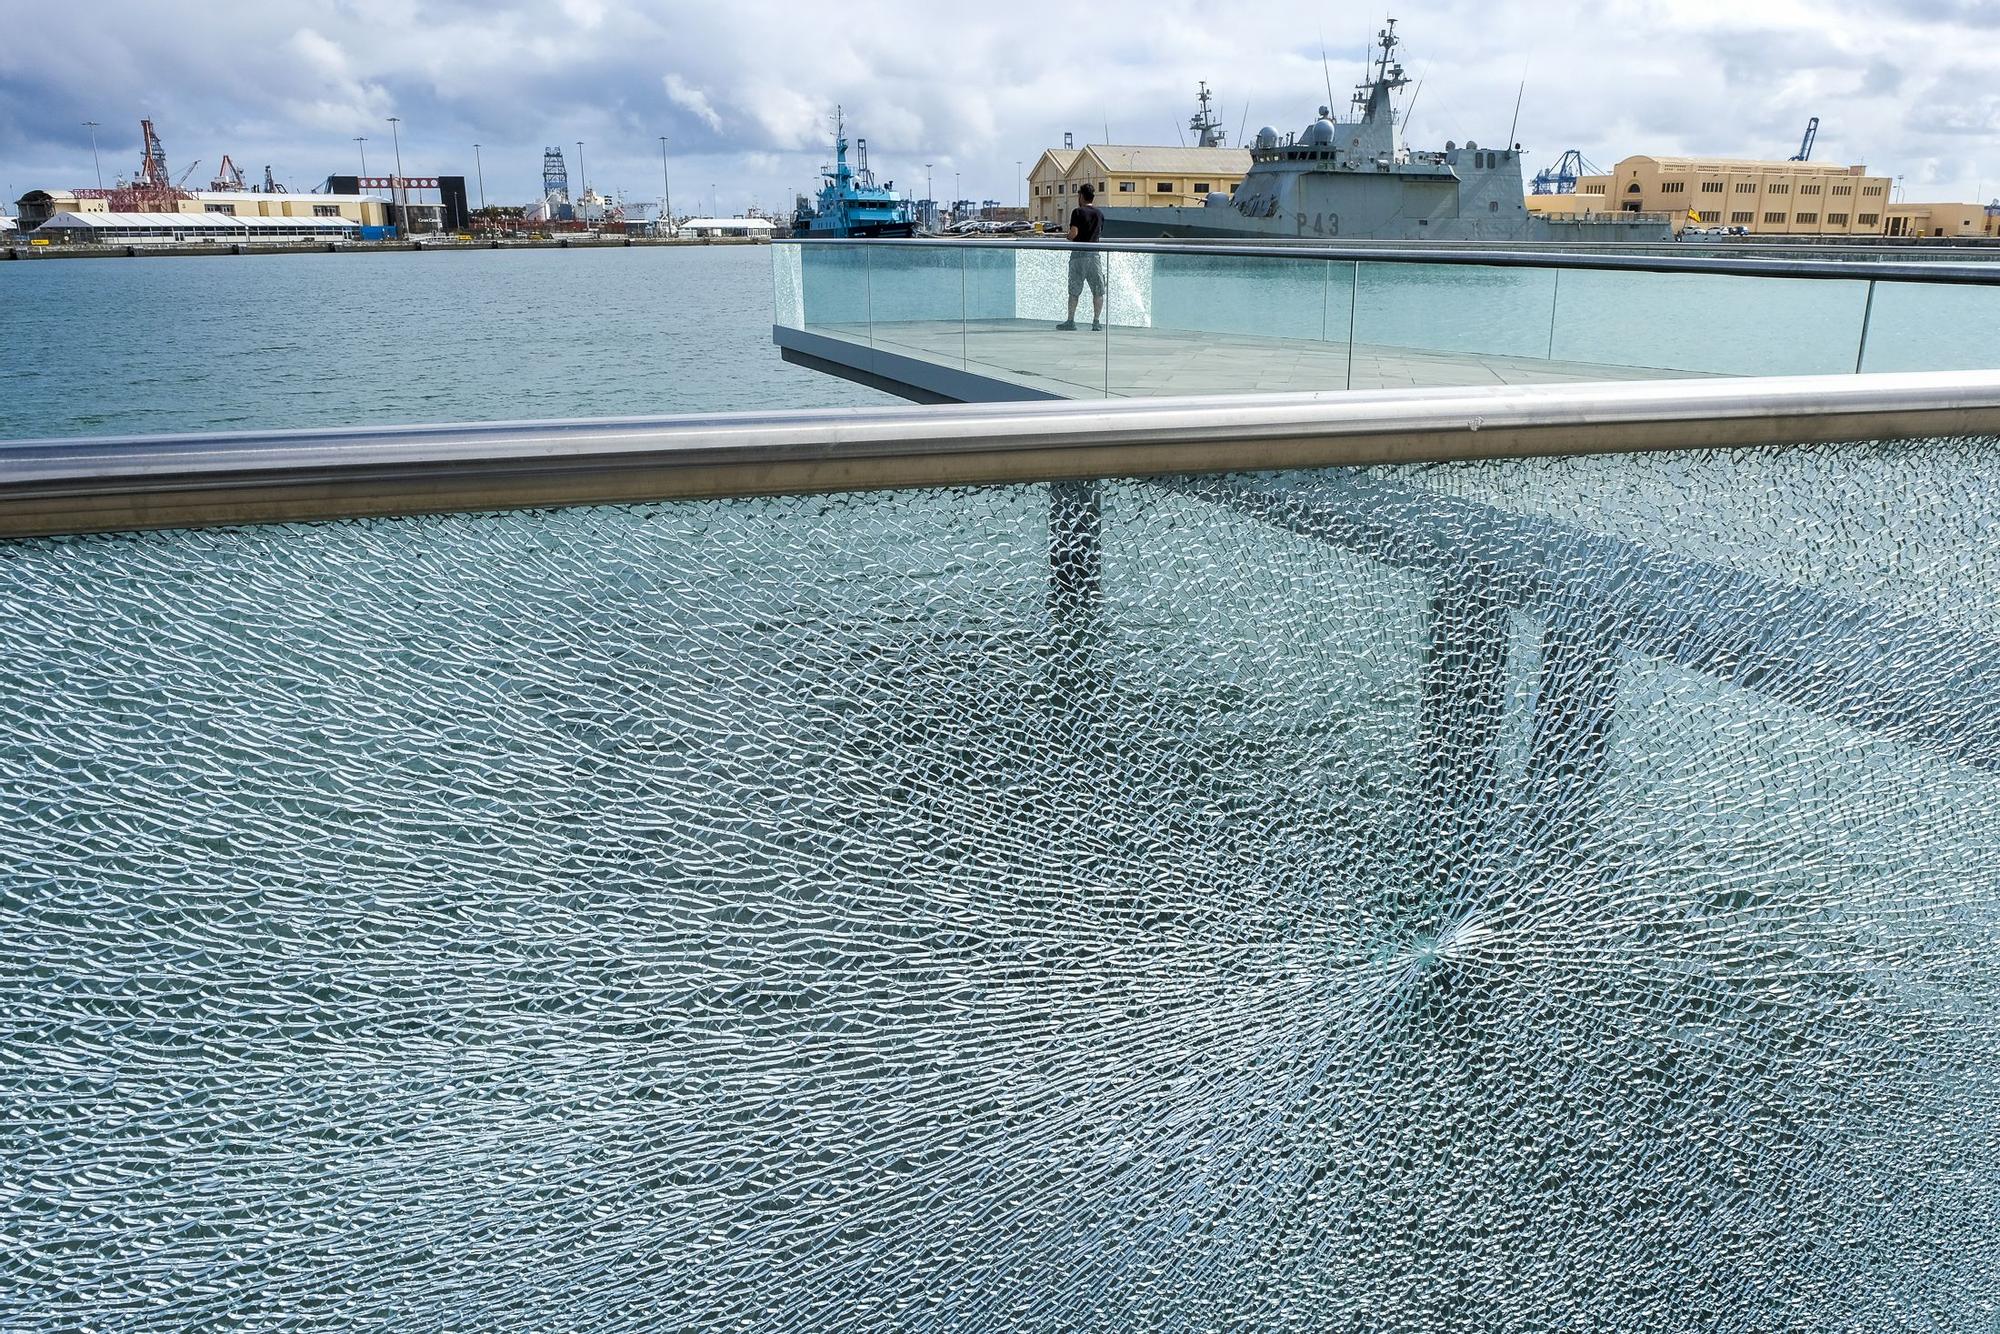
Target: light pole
column 582, row 181
column 954, row 196
column 714, row 201
column 91, row 125
column 480, row 167
column 930, row 202
column 1020, row 186
column 363, row 141
column 396, row 186
column 667, row 189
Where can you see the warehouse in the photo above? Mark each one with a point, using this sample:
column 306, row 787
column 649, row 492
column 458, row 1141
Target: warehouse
column 182, row 228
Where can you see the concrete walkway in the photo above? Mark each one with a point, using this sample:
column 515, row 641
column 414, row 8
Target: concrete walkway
column 1146, row 362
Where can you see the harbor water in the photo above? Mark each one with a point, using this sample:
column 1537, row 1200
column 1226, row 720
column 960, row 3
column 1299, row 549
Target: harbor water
column 161, row 345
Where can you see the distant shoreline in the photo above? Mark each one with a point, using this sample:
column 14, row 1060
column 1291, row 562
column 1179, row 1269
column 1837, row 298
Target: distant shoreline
column 18, row 250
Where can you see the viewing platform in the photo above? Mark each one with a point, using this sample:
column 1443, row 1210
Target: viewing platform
column 976, row 321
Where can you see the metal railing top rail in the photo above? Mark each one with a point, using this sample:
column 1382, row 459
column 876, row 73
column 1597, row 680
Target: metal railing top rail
column 98, row 485
column 1620, row 260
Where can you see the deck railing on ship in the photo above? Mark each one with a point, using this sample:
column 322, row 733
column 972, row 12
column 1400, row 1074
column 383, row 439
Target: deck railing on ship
column 1255, row 861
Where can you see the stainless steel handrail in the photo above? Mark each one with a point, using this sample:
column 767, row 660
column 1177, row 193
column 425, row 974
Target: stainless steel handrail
column 1447, row 253
column 95, row 485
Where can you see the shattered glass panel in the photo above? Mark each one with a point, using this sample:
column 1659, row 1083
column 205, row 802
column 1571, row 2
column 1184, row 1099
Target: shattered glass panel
column 1509, row 896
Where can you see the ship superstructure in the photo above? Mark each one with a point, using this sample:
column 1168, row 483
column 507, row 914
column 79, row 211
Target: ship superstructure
column 850, row 203
column 1358, row 180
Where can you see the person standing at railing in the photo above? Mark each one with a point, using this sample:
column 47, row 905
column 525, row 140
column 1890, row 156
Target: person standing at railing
column 1086, row 225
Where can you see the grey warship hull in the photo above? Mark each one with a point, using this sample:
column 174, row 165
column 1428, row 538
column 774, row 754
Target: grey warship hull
column 1211, row 224
column 1357, row 180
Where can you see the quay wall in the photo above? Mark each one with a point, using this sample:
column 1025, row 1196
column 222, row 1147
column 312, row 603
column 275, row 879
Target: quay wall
column 21, row 250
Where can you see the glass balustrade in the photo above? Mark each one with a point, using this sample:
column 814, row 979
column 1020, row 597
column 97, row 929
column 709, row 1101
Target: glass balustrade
column 1520, row 894
column 1181, row 322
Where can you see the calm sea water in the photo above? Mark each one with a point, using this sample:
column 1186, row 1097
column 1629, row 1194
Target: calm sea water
column 117, row 346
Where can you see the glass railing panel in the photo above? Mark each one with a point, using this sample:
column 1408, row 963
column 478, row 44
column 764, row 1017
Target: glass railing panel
column 1235, row 324
column 833, row 279
column 1917, row 326
column 992, row 298
column 788, row 294
column 996, row 904
column 1708, row 324
column 1031, row 349
column 1452, row 324
column 916, row 301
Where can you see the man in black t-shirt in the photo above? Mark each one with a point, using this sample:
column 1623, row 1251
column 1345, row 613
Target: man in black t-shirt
column 1086, row 224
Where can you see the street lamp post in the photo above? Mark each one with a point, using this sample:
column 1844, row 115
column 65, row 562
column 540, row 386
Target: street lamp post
column 1020, row 185
column 396, row 186
column 930, row 200
column 666, row 188
column 91, row 125
column 480, row 167
column 582, row 180
column 362, row 139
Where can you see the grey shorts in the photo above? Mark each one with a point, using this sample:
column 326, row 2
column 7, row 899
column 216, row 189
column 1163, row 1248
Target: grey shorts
column 1086, row 266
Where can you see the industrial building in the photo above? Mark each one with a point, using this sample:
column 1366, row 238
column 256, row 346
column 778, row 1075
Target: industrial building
column 104, row 228
column 1932, row 221
column 756, row 229
column 38, row 206
column 1130, row 176
column 1762, row 198
column 413, row 203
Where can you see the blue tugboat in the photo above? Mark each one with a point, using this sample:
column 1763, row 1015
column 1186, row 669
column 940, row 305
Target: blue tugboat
column 850, row 203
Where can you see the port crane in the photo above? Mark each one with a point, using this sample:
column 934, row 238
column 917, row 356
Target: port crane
column 228, row 176
column 1806, row 144
column 1561, row 178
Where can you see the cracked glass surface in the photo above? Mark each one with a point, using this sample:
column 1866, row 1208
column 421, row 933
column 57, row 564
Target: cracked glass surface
column 1507, row 896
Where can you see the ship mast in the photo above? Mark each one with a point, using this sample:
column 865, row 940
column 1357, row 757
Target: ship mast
column 1207, row 130
column 1388, row 78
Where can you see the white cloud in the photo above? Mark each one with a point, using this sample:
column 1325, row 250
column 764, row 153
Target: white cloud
column 693, row 100
column 973, row 89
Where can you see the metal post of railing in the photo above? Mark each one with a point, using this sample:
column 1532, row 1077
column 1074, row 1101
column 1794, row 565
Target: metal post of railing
column 1353, row 301
column 1867, row 314
column 1555, row 301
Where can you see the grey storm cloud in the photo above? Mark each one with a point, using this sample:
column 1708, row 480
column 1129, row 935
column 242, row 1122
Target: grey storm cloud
column 743, row 91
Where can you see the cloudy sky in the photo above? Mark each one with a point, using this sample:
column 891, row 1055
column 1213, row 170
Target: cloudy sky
column 743, row 88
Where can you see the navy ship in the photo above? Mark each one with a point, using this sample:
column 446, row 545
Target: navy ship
column 850, row 203
column 1357, row 180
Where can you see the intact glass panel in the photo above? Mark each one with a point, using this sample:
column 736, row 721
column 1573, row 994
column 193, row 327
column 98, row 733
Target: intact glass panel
column 916, row 300
column 1916, row 326
column 1549, row 893
column 1235, row 324
column 834, row 279
column 1451, row 324
column 1710, row 324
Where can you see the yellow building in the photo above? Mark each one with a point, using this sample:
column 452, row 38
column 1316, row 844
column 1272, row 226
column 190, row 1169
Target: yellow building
column 1935, row 220
column 1130, row 176
column 1762, row 198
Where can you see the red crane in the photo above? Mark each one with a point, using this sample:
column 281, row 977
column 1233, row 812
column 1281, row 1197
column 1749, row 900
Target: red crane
column 152, row 190
column 152, row 160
